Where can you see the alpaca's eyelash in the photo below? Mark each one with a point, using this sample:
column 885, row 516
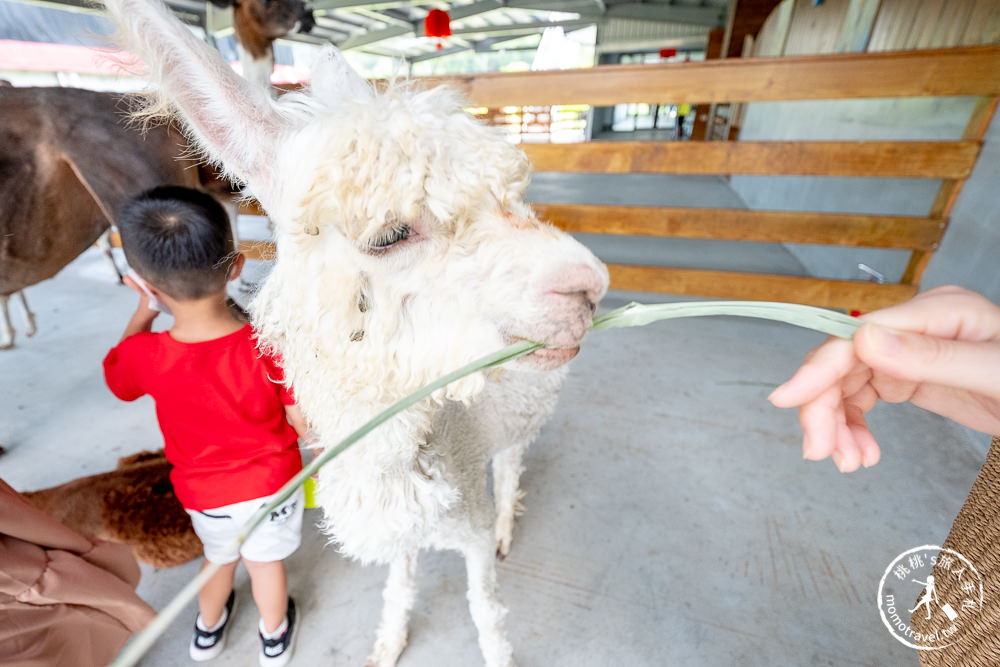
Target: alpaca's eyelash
column 388, row 237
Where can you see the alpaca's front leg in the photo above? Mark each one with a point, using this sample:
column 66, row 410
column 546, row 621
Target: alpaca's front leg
column 487, row 611
column 399, row 594
column 507, row 469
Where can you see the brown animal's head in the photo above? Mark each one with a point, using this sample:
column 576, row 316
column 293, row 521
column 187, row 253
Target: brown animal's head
column 259, row 22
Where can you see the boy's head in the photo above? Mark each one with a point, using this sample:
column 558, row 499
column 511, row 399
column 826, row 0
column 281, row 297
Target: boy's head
column 179, row 240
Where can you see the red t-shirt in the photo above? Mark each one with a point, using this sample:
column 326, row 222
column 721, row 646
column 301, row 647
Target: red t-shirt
column 221, row 408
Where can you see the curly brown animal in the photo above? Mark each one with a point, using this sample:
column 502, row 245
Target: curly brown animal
column 133, row 504
column 68, row 159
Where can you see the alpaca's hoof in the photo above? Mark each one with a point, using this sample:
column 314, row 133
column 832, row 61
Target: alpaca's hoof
column 503, row 548
column 32, row 327
column 502, row 656
column 385, row 655
column 504, row 534
column 7, row 342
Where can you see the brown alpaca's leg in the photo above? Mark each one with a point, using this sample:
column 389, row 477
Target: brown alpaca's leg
column 6, row 330
column 29, row 317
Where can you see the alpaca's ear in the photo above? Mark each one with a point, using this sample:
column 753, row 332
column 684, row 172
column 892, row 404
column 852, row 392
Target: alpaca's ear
column 334, row 82
column 231, row 120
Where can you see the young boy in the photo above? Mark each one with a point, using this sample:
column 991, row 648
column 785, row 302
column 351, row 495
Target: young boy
column 230, row 428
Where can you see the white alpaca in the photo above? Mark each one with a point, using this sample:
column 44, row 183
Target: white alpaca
column 405, row 250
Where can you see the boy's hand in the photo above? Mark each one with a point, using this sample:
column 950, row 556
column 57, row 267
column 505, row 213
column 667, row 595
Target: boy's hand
column 143, row 307
column 142, row 318
column 939, row 351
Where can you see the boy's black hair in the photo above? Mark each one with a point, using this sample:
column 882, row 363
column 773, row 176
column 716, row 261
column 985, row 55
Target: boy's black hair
column 179, row 240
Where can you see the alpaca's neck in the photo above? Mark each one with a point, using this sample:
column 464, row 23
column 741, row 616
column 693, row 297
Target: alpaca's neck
column 394, row 446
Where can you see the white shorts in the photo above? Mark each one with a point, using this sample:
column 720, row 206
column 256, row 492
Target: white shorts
column 276, row 538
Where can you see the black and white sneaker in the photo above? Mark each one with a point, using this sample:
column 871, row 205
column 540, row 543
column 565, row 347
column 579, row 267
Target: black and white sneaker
column 277, row 652
column 207, row 644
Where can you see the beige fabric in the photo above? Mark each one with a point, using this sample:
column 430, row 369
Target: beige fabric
column 64, row 600
column 976, row 535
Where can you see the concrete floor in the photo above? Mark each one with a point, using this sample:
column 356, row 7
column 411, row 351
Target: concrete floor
column 670, row 517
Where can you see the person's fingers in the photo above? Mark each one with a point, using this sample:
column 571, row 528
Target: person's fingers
column 819, row 419
column 859, row 378
column 951, row 363
column 854, row 412
column 825, row 367
column 975, row 411
column 864, row 399
column 944, row 312
column 131, row 283
column 892, row 389
column 846, row 454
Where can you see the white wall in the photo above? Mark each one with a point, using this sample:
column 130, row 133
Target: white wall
column 909, row 119
column 970, row 254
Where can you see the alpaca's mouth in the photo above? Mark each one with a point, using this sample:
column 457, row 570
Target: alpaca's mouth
column 546, row 358
column 551, row 357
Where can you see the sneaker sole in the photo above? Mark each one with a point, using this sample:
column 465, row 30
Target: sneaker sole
column 284, row 658
column 205, row 654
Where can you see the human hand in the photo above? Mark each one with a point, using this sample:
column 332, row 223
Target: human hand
column 939, row 351
column 144, row 308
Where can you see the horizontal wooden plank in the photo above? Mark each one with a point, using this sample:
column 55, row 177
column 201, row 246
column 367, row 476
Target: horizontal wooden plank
column 250, row 207
column 841, row 294
column 887, row 159
column 869, row 231
column 854, row 230
column 259, row 250
column 933, row 72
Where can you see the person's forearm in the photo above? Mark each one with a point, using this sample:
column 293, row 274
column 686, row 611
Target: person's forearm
column 142, row 320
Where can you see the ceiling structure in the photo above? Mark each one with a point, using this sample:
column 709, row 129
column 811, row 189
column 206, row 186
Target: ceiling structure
column 395, row 28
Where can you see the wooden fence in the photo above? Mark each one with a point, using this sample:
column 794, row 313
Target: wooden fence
column 945, row 72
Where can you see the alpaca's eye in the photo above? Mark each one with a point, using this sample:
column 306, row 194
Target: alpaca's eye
column 389, row 237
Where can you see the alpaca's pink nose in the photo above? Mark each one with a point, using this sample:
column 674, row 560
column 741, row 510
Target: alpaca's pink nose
column 570, row 299
column 583, row 281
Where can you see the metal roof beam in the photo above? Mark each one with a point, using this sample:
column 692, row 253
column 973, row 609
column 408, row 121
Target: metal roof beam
column 486, row 45
column 662, row 12
column 417, row 27
column 383, row 17
column 326, row 5
column 482, row 46
column 431, row 55
column 644, row 11
column 525, row 28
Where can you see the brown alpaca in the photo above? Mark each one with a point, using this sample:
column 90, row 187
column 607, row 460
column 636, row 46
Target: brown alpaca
column 68, row 159
column 133, row 504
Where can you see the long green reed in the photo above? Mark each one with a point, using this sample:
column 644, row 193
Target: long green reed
column 632, row 315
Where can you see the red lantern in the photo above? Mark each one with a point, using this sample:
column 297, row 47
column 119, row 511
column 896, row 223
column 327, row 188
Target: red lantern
column 668, row 53
column 437, row 24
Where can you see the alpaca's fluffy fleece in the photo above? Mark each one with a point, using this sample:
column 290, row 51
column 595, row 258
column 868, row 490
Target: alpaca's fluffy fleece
column 404, row 251
column 473, row 273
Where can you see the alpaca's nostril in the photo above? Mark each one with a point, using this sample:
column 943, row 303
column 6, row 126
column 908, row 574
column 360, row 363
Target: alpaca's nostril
column 593, row 307
column 579, row 281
